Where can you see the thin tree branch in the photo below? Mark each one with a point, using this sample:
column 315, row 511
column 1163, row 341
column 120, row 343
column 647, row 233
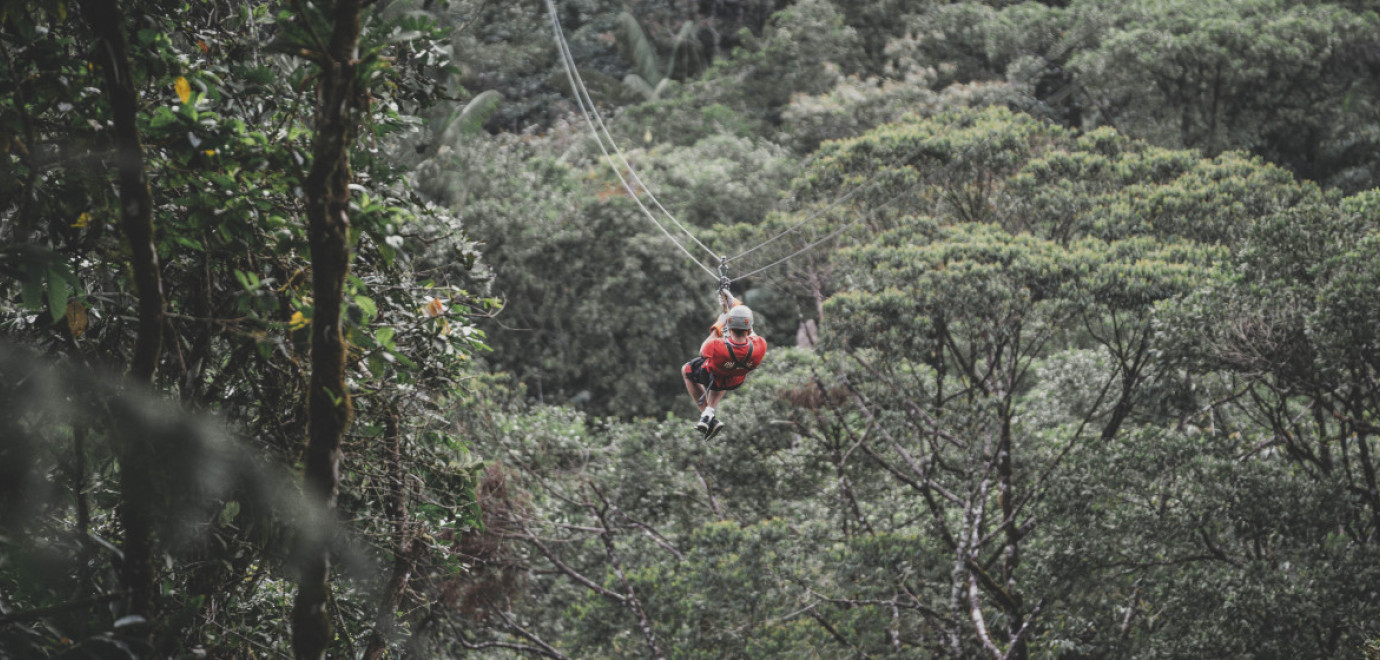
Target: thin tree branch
column 567, row 570
column 30, row 615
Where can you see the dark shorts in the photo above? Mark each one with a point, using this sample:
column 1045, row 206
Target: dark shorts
column 695, row 371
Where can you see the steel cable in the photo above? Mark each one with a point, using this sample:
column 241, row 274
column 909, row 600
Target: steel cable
column 591, row 115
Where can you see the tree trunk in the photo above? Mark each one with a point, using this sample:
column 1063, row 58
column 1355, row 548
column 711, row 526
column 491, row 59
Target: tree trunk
column 136, row 219
column 136, row 203
column 1011, row 555
column 403, row 551
column 328, row 400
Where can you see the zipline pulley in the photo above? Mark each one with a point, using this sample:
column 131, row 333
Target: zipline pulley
column 725, row 295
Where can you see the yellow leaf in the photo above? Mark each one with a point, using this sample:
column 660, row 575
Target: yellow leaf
column 183, row 88
column 82, row 220
column 210, row 152
column 297, row 322
column 434, row 308
column 76, row 318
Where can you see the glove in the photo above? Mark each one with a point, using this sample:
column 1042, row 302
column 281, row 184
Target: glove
column 718, row 327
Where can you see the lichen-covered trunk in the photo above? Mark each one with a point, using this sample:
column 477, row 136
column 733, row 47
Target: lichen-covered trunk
column 328, row 402
column 136, row 220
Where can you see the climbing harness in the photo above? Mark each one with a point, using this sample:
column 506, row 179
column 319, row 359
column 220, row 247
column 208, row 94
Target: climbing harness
column 746, row 362
column 595, row 121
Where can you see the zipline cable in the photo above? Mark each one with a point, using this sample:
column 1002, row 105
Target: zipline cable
column 798, row 225
column 830, row 236
column 591, row 115
column 832, row 203
column 835, row 202
column 1055, row 51
column 637, row 178
column 588, row 109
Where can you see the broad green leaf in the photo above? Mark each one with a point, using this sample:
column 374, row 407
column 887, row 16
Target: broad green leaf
column 384, row 336
column 367, row 306
column 57, row 295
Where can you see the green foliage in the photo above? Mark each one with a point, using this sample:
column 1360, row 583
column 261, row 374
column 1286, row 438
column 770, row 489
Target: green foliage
column 1272, row 77
column 595, row 295
column 801, row 52
column 651, row 76
column 1031, row 330
column 1092, row 373
column 226, row 145
column 949, row 39
column 720, row 180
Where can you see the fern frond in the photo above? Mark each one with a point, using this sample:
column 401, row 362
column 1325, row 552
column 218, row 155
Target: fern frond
column 640, row 86
column 638, row 48
column 686, row 46
column 470, row 120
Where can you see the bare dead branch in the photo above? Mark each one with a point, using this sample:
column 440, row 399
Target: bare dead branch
column 547, row 650
column 979, row 621
column 713, row 504
column 474, row 646
column 1025, row 629
column 652, row 534
column 565, row 569
column 819, row 618
column 1004, row 600
column 630, row 597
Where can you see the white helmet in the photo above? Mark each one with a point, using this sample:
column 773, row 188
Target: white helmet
column 739, row 318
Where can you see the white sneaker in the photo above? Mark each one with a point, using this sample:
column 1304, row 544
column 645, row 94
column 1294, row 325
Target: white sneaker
column 703, row 425
column 714, row 426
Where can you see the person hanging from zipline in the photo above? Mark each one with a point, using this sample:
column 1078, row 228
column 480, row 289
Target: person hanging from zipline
column 731, row 351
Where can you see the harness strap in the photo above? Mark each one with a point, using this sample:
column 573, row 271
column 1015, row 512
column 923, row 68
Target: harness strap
column 705, row 394
column 746, row 362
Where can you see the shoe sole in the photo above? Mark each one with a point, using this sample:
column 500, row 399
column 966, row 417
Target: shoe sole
column 713, row 431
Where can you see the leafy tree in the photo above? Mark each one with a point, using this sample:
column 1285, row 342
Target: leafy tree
column 800, row 53
column 998, row 381
column 1065, row 387
column 651, row 76
column 136, row 219
column 225, row 143
column 339, row 95
column 1296, row 331
column 1278, row 79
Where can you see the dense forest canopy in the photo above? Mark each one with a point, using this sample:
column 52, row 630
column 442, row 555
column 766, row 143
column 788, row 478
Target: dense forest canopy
column 331, row 329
